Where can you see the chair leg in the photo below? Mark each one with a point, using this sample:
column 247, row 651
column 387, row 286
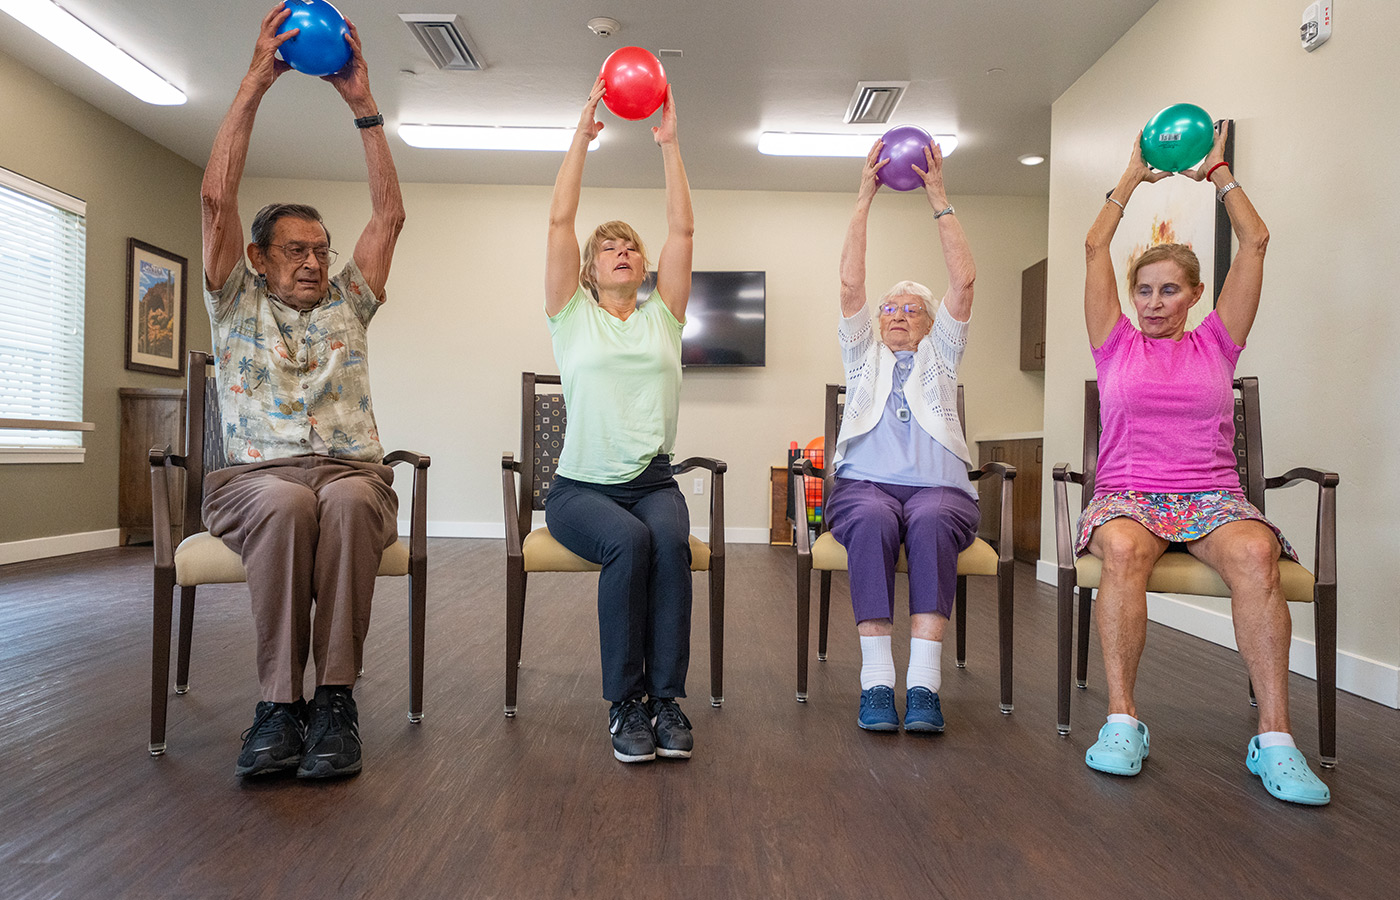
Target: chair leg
column 417, row 626
column 1253, row 701
column 182, row 656
column 1065, row 634
column 1086, row 608
column 163, row 602
column 515, row 618
column 804, row 622
column 1006, row 609
column 960, row 621
column 824, row 616
column 717, row 631
column 1325, row 628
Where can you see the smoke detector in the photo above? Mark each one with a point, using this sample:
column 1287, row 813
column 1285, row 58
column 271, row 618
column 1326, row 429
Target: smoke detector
column 874, row 101
column 604, row 26
column 447, row 44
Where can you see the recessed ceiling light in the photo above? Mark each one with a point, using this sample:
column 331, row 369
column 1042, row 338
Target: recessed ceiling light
column 488, row 137
column 783, row 143
column 94, row 51
column 1032, row 159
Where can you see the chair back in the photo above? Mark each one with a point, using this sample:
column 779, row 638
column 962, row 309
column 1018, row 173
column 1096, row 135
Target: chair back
column 835, row 409
column 204, row 435
column 1249, row 443
column 542, row 418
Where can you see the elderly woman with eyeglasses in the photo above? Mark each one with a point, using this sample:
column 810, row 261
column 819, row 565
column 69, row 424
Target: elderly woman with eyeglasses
column 900, row 459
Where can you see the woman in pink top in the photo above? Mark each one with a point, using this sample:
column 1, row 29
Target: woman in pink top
column 1166, row 470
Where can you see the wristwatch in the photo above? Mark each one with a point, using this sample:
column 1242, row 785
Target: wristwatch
column 369, row 121
column 945, row 212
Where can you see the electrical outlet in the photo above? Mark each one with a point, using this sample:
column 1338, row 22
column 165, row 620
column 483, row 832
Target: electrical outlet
column 1317, row 25
column 699, row 486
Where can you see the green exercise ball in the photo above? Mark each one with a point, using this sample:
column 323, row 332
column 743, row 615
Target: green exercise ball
column 1177, row 138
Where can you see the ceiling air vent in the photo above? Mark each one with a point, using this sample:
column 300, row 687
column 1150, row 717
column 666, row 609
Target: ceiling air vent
column 874, row 101
column 442, row 36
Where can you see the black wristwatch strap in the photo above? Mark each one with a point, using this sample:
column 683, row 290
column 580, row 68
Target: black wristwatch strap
column 369, row 121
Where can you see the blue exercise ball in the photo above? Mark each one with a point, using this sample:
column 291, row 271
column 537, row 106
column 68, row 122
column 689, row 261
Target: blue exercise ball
column 319, row 47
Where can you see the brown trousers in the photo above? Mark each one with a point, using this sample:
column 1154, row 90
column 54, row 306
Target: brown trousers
column 310, row 530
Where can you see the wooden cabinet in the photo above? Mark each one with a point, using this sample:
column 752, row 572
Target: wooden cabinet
column 779, row 526
column 150, row 417
column 1025, row 455
column 1033, row 318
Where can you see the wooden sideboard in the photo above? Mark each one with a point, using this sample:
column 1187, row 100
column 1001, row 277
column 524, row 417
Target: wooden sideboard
column 150, row 417
column 1025, row 454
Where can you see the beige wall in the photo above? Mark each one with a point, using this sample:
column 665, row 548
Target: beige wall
column 133, row 188
column 465, row 317
column 1314, row 135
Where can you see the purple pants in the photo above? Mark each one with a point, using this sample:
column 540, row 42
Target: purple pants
column 871, row 520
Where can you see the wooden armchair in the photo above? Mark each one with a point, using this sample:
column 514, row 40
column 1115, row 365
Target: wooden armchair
column 826, row 555
column 202, row 558
column 542, row 419
column 1178, row 572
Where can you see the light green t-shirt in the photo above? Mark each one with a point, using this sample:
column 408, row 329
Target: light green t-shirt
column 622, row 387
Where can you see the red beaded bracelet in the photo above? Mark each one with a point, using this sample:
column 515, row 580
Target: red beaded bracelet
column 1214, row 167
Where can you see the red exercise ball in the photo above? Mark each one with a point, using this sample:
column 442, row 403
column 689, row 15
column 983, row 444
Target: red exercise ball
column 636, row 83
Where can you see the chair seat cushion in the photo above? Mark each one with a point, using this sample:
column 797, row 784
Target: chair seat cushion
column 979, row 559
column 544, row 554
column 1178, row 572
column 204, row 559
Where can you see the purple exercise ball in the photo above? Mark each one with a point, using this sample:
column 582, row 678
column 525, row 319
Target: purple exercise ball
column 904, row 147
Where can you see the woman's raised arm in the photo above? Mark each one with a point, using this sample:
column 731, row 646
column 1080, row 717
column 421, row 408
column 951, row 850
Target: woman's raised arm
column 561, row 264
column 673, row 265
column 1239, row 295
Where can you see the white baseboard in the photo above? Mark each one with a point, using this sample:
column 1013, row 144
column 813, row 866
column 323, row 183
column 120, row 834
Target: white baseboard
column 1369, row 678
column 58, row 545
column 438, row 528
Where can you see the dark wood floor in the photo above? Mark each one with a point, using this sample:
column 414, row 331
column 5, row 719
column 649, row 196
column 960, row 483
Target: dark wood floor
column 781, row 799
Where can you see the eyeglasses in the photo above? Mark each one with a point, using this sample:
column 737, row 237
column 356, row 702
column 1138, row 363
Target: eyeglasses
column 298, row 252
column 910, row 309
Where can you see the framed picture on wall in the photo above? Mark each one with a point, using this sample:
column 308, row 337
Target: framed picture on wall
column 1182, row 211
column 155, row 309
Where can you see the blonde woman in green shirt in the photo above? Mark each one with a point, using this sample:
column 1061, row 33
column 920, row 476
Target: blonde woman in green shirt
column 613, row 500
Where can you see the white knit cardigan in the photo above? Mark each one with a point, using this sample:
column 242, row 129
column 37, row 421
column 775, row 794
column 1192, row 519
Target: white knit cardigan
column 870, row 378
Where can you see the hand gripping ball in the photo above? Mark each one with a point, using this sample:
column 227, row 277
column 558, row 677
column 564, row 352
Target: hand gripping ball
column 320, row 47
column 636, row 83
column 904, row 148
column 1177, row 138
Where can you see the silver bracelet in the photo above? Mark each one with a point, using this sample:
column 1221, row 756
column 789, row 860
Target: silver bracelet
column 1117, row 204
column 946, row 212
column 1220, row 194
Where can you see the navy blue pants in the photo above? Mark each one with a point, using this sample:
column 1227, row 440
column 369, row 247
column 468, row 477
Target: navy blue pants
column 639, row 532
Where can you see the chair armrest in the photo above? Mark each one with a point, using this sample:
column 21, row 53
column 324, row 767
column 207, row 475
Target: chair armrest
column 1064, row 542
column 418, row 513
column 1006, row 473
column 801, row 530
column 162, row 460
column 717, row 468
column 1325, row 549
column 804, row 467
column 509, row 467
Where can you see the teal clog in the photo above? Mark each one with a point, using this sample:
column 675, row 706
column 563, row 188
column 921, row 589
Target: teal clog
column 1119, row 750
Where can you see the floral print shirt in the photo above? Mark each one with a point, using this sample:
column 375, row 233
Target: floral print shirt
column 283, row 372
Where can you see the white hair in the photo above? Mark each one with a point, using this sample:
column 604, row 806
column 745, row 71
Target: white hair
column 911, row 288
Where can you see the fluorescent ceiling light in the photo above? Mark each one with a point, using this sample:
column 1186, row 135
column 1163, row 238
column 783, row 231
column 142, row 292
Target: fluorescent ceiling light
column 487, row 137
column 94, row 51
column 783, row 143
column 1032, row 159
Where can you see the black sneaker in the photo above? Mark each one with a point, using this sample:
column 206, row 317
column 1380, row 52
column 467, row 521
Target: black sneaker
column 273, row 743
column 332, row 747
column 632, row 738
column 672, row 728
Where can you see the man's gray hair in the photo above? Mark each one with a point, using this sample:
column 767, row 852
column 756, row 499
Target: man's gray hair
column 268, row 216
column 904, row 288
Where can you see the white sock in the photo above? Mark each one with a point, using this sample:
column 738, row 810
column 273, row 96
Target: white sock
column 1123, row 719
column 1276, row 739
column 925, row 664
column 876, row 662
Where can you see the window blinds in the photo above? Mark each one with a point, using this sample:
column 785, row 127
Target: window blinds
column 43, row 271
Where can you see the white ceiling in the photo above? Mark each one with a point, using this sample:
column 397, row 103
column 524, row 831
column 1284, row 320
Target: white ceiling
column 986, row 70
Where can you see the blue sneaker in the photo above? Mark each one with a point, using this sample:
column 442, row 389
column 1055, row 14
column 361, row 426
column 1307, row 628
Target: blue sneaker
column 1120, row 749
column 877, row 712
column 922, row 711
column 1286, row 774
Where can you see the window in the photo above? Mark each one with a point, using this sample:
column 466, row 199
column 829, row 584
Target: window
column 43, row 272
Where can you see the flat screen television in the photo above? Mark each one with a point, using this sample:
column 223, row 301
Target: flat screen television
column 724, row 318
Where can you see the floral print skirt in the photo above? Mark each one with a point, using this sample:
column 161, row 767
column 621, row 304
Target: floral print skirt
column 1178, row 518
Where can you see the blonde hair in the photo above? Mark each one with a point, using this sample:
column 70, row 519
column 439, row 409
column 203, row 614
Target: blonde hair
column 615, row 230
column 1180, row 254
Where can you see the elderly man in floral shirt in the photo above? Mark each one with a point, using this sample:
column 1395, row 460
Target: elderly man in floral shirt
column 305, row 501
